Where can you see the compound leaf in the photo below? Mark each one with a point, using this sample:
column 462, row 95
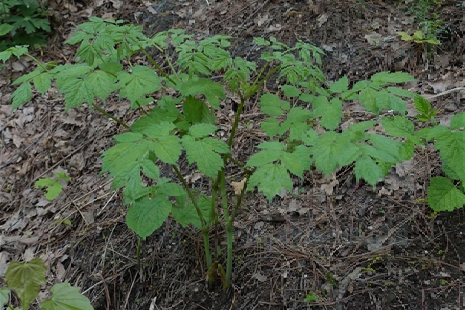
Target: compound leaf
column 212, row 91
column 21, row 95
column 270, row 179
column 168, row 149
column 205, row 153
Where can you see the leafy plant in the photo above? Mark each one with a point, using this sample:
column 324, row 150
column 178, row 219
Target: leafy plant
column 22, row 22
column 25, row 281
column 417, row 37
column 54, row 186
column 182, row 122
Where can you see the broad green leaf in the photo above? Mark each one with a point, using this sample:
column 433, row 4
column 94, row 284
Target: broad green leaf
column 4, row 296
column 168, row 149
column 21, row 95
column 382, row 100
column 368, row 100
column 340, row 85
column 148, row 214
column 367, row 169
column 298, row 161
column 171, row 189
column 404, row 36
column 433, row 133
column 270, row 179
column 310, row 137
column 150, row 169
column 400, row 92
column 66, row 297
column 25, row 279
column 444, row 196
column 155, row 117
column 211, row 90
column 356, row 131
column 77, row 91
column 331, row 151
column 398, row 126
column 202, row 130
column 360, row 85
column 378, row 155
column 133, row 193
column 5, row 28
column 197, row 111
column 187, row 214
column 386, row 145
column 18, row 51
column 128, row 137
column 457, row 121
column 103, row 83
column 158, row 130
column 297, row 130
column 330, row 112
column 290, row 91
column 394, row 77
column 272, row 105
column 43, row 82
column 139, row 83
column 261, row 41
column 264, row 157
column 452, row 149
column 270, row 126
column 396, row 104
column 205, row 153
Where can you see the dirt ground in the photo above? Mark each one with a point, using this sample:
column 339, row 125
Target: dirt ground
column 347, row 244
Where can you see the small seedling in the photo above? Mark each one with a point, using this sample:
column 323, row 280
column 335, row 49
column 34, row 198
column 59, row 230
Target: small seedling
column 54, row 186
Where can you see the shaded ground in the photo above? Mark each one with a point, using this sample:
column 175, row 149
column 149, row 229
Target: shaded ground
column 352, row 247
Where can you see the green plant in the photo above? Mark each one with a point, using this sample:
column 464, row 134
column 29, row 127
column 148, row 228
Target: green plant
column 25, row 280
column 182, row 122
column 54, row 186
column 417, row 37
column 22, row 22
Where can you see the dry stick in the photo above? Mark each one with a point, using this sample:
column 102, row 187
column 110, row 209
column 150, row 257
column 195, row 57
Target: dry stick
column 445, row 93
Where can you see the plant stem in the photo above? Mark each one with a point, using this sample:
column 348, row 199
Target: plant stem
column 205, row 227
column 110, row 116
column 229, row 225
column 154, row 63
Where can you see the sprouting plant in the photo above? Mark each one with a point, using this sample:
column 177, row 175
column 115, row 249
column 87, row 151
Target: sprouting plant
column 182, row 123
column 25, row 280
column 54, row 186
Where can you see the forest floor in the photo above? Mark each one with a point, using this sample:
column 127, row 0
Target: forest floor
column 346, row 245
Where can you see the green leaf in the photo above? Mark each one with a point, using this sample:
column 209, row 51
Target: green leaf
column 271, row 153
column 43, row 82
column 261, row 41
column 298, row 161
column 270, row 126
column 66, row 297
column 202, row 130
column 270, row 179
column 387, row 146
column 148, row 214
column 396, row 104
column 5, row 28
column 368, row 100
column 158, row 130
column 290, row 91
column 330, row 112
column 150, row 169
column 171, row 189
column 400, row 92
column 404, row 36
column 168, row 149
column 444, row 196
column 395, row 77
column 272, row 105
column 21, row 95
column 139, row 83
column 103, row 83
column 187, row 214
column 211, row 90
column 340, row 85
column 452, row 149
column 77, row 91
column 205, row 153
column 367, row 169
column 196, row 111
column 457, row 121
column 331, row 151
column 4, row 296
column 25, row 279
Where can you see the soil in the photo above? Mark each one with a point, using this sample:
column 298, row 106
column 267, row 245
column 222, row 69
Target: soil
column 349, row 245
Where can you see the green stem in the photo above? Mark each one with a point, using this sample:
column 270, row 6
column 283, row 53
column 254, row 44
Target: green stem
column 154, row 63
column 110, row 116
column 205, row 227
column 262, row 82
column 229, row 225
column 36, row 61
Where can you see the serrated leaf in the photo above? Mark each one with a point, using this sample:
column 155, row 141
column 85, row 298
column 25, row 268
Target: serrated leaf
column 290, row 91
column 264, row 157
column 298, row 161
column 197, row 111
column 139, row 83
column 457, row 121
column 103, row 83
column 211, row 90
column 171, row 189
column 128, row 137
column 331, row 151
column 187, row 214
column 444, row 196
column 146, row 215
column 270, row 179
column 330, row 112
column 272, row 105
column 368, row 100
column 150, row 169
column 168, row 149
column 4, row 296
column 25, row 279
column 42, row 82
column 387, row 146
column 394, row 77
column 270, row 126
column 340, row 85
column 452, row 149
column 77, row 91
column 396, row 104
column 66, row 297
column 309, row 137
column 202, row 130
column 367, row 169
column 400, row 92
column 205, row 153
column 21, row 95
